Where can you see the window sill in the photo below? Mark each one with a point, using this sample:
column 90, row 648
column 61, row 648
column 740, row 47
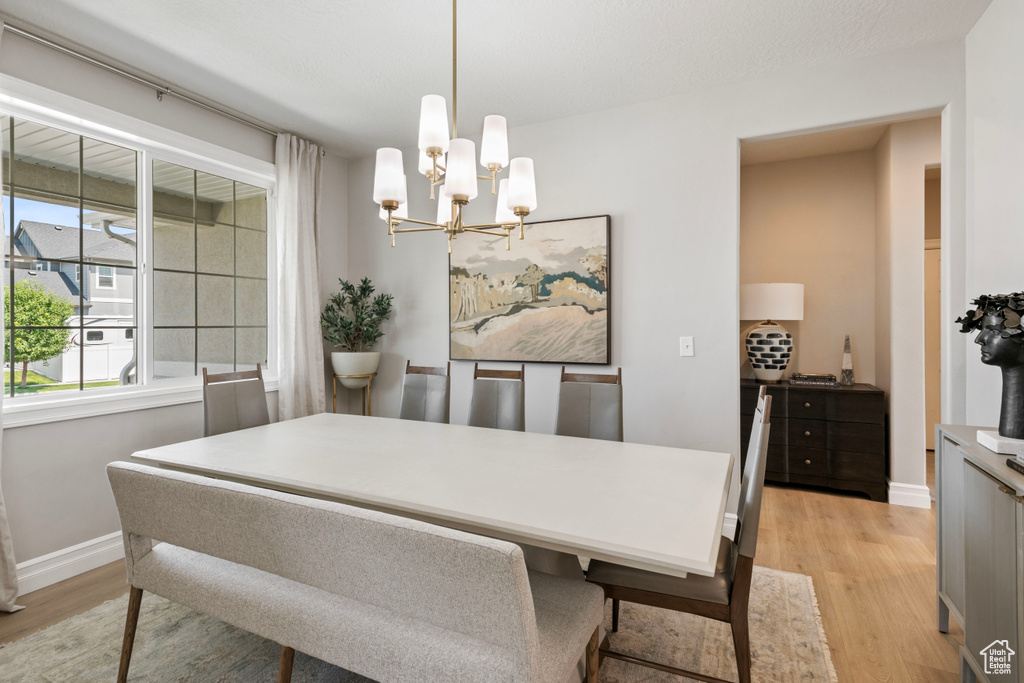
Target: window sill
column 40, row 410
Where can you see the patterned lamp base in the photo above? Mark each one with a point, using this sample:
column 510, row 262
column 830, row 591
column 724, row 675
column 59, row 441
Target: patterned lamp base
column 769, row 348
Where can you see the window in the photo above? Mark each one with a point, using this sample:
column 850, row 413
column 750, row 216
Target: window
column 105, row 277
column 69, row 200
column 70, row 207
column 210, row 272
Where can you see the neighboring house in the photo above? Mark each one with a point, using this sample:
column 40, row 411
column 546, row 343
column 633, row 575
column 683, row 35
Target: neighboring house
column 104, row 298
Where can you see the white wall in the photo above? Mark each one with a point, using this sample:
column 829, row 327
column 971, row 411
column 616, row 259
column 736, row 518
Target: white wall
column 995, row 181
column 667, row 173
column 812, row 221
column 53, row 478
column 906, row 150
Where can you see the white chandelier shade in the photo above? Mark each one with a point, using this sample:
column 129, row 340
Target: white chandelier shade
column 433, row 124
column 494, row 145
column 388, row 177
column 444, row 209
column 503, row 213
column 460, row 173
column 522, row 189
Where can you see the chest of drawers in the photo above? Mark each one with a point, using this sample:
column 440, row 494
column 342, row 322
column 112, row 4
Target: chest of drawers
column 823, row 436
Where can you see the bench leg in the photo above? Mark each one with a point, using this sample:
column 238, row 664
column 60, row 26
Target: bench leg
column 287, row 658
column 592, row 656
column 130, row 624
column 615, row 615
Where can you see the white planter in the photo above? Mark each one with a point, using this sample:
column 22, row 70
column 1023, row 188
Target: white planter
column 354, row 363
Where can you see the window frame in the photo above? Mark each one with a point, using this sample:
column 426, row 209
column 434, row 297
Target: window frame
column 28, row 101
column 113, row 276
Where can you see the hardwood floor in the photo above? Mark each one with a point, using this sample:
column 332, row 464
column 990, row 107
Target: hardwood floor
column 56, row 603
column 873, row 566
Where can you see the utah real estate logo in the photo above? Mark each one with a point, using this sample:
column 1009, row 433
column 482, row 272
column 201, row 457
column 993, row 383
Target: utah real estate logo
column 997, row 657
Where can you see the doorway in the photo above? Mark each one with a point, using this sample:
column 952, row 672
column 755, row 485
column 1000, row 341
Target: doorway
column 932, row 312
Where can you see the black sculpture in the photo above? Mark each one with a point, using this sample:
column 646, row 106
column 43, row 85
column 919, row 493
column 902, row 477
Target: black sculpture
column 998, row 319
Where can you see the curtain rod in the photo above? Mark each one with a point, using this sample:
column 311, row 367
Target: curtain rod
column 161, row 90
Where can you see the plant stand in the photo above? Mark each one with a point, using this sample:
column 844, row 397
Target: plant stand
column 367, row 402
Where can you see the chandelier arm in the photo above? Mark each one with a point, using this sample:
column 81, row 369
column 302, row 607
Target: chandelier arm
column 492, row 226
column 413, row 220
column 485, row 232
column 434, row 229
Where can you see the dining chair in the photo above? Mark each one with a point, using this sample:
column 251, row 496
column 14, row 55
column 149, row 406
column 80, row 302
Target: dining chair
column 425, row 393
column 498, row 403
column 590, row 406
column 722, row 597
column 233, row 401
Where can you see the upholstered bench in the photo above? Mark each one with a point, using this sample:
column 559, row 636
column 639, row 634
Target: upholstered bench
column 390, row 598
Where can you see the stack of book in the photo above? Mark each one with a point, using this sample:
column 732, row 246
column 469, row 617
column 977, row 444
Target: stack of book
column 813, row 380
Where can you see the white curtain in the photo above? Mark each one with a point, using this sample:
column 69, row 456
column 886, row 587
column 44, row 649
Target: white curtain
column 8, row 567
column 300, row 358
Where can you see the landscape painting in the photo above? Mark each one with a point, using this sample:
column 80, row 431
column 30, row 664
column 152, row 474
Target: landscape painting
column 544, row 301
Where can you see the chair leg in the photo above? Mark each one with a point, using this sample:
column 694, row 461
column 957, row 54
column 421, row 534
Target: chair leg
column 593, row 661
column 615, row 615
column 287, row 659
column 741, row 640
column 130, row 624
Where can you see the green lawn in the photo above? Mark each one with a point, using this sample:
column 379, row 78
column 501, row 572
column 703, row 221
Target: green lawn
column 34, row 383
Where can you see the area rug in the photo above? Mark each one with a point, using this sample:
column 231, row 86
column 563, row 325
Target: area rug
column 177, row 644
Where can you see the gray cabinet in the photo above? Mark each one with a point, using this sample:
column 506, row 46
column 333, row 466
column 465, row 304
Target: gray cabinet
column 980, row 553
column 990, row 530
column 949, row 529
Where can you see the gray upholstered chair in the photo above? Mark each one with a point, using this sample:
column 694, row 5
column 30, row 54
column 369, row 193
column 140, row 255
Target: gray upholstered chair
column 590, row 406
column 724, row 596
column 425, row 393
column 233, row 401
column 498, row 403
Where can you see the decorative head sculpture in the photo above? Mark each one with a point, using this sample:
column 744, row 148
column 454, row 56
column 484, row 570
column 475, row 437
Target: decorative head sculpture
column 997, row 318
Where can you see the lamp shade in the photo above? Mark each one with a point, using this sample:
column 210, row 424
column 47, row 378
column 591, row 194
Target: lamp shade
column 494, row 145
column 460, row 173
column 502, row 214
column 522, row 190
column 433, row 123
column 426, row 164
column 444, row 209
column 388, row 177
column 772, row 301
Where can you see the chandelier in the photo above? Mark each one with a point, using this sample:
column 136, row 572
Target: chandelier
column 451, row 163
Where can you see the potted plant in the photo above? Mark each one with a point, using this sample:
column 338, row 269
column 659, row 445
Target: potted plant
column 352, row 320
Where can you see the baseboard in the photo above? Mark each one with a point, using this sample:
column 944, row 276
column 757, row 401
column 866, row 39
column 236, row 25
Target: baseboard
column 729, row 525
column 50, row 569
column 909, row 495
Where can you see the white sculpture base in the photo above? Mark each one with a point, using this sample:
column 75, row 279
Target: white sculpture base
column 1001, row 444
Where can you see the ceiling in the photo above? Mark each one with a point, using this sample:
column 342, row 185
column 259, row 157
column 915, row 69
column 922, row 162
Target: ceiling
column 851, row 139
column 350, row 74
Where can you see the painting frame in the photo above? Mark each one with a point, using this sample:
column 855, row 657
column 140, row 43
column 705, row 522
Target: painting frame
column 600, row 349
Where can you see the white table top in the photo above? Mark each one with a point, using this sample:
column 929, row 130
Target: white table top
column 649, row 507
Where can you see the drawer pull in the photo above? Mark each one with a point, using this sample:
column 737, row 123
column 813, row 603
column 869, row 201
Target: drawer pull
column 1010, row 492
column 807, row 462
column 807, row 433
column 807, row 405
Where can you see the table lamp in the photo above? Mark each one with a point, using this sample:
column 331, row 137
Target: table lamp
column 769, row 346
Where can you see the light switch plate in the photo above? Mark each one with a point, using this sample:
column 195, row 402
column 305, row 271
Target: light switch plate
column 686, row 346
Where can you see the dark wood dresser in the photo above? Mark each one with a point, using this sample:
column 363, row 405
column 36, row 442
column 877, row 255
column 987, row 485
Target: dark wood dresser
column 824, row 436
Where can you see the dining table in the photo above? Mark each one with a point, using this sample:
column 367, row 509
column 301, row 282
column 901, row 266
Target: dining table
column 657, row 508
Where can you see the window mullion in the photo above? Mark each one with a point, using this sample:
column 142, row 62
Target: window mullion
column 144, row 293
